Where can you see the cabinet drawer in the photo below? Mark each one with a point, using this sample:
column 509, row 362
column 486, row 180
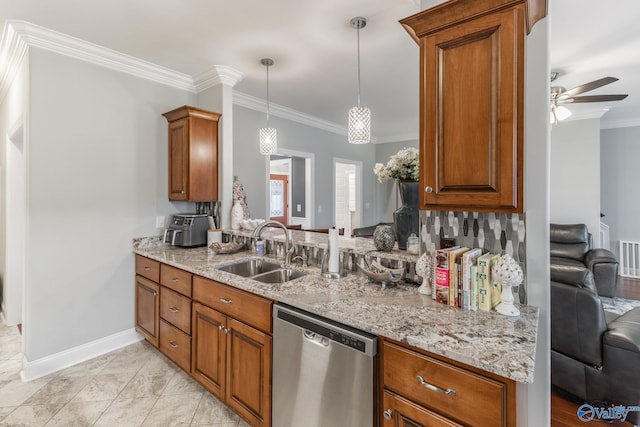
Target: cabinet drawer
column 397, row 411
column 474, row 399
column 250, row 309
column 148, row 268
column 176, row 345
column 175, row 309
column 176, row 279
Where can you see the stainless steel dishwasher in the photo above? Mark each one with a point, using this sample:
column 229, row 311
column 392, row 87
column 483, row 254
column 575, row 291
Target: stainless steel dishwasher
column 323, row 372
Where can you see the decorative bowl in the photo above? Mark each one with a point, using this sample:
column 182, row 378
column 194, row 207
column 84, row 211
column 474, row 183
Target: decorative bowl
column 226, row 248
column 378, row 273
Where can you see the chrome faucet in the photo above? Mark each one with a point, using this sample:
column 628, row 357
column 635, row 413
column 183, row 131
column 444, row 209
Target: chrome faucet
column 289, row 251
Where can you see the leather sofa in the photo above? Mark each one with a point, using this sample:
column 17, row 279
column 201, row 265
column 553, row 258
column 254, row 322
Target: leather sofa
column 595, row 355
column 571, row 246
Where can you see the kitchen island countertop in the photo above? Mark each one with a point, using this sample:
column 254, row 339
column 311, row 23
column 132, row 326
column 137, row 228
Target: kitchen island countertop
column 486, row 340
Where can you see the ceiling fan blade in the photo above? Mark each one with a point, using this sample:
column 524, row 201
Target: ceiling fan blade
column 594, row 98
column 589, row 86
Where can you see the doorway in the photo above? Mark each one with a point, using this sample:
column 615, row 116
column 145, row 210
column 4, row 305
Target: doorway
column 279, row 198
column 15, row 224
column 348, row 194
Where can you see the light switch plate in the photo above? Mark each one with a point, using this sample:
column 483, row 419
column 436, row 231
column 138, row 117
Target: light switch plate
column 299, row 207
column 159, row 221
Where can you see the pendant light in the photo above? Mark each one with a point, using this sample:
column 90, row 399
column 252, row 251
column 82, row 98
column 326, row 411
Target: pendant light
column 359, row 128
column 268, row 135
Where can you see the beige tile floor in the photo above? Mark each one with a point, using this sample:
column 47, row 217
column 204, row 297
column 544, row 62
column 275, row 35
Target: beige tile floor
column 133, row 386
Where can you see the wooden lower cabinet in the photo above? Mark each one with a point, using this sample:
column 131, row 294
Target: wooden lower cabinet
column 148, row 309
column 400, row 412
column 418, row 385
column 233, row 361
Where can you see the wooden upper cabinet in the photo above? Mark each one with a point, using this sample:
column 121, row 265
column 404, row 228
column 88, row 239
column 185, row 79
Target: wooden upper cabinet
column 193, row 154
column 472, row 103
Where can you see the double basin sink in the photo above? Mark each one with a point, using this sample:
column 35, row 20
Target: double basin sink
column 262, row 271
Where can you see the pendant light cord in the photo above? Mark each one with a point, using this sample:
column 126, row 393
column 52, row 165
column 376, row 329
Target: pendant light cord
column 267, row 95
column 358, row 31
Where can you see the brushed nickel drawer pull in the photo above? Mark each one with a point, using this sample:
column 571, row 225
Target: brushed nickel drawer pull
column 388, row 414
column 447, row 392
column 226, row 301
column 147, row 268
column 172, row 344
column 173, row 309
column 227, row 330
column 174, row 280
column 220, row 327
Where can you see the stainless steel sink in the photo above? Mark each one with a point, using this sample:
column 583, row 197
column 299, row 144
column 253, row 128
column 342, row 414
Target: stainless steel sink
column 250, row 267
column 262, row 271
column 279, row 276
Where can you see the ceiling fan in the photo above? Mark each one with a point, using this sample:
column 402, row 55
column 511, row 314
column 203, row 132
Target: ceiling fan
column 560, row 95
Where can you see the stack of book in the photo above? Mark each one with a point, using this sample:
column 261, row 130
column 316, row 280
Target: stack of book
column 462, row 278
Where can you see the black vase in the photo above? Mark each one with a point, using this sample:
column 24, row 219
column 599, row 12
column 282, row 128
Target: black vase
column 407, row 217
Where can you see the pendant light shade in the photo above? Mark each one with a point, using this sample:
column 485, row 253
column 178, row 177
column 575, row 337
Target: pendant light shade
column 268, row 136
column 359, row 125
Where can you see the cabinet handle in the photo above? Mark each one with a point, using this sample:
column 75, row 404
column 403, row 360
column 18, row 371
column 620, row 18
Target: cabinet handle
column 172, row 344
column 388, row 414
column 173, row 309
column 227, row 330
column 147, row 268
column 155, row 294
column 182, row 191
column 447, row 392
column 226, row 301
column 428, row 189
column 220, row 327
column 174, row 280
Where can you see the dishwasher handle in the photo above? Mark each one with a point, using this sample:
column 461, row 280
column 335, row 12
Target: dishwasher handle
column 316, row 339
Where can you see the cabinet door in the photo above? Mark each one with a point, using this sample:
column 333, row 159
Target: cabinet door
column 400, row 412
column 471, row 112
column 249, row 372
column 208, row 333
column 148, row 309
column 179, row 159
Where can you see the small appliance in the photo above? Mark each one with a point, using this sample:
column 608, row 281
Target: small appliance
column 187, row 230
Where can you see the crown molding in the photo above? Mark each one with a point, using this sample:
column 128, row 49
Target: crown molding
column 53, row 41
column 217, row 74
column 587, row 115
column 13, row 50
column 614, row 124
column 258, row 104
column 397, row 138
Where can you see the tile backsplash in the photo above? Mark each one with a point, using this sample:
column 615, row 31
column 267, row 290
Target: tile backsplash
column 500, row 233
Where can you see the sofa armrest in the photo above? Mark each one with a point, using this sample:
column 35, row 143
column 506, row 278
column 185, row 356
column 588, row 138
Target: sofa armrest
column 599, row 256
column 624, row 332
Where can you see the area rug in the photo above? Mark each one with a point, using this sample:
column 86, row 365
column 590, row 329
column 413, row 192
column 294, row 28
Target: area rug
column 619, row 305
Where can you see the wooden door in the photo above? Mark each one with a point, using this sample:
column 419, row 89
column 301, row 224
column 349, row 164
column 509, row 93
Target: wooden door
column 400, row 412
column 148, row 309
column 279, row 198
column 249, row 372
column 208, row 345
column 471, row 114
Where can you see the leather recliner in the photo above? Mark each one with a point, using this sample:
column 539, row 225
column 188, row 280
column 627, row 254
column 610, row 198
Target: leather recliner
column 595, row 354
column 571, row 246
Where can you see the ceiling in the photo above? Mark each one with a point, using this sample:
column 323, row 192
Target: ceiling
column 314, row 48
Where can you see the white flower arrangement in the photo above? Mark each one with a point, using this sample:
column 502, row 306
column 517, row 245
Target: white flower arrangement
column 403, row 165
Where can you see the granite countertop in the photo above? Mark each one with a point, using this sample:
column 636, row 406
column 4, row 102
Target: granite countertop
column 486, row 340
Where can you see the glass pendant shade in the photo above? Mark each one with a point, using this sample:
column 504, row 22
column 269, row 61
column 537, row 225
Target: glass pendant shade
column 268, row 141
column 359, row 129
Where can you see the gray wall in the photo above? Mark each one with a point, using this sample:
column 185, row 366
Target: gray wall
column 98, row 177
column 250, row 166
column 387, row 192
column 298, row 192
column 575, row 174
column 620, row 175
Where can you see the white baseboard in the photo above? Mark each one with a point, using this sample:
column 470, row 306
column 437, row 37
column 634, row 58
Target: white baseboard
column 55, row 362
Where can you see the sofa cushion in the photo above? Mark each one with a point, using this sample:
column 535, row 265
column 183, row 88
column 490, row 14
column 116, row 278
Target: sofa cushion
column 569, row 240
column 624, row 332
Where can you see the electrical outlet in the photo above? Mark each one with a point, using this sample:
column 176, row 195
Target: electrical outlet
column 159, row 221
column 299, row 207
column 319, row 208
column 367, row 205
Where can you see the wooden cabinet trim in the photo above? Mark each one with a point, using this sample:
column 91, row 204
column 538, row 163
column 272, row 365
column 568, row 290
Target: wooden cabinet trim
column 403, row 412
column 175, row 344
column 147, row 302
column 175, row 309
column 148, row 268
column 208, row 349
column 455, row 12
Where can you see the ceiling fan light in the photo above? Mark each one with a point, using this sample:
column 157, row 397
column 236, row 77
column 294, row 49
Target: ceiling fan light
column 359, row 129
column 562, row 112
